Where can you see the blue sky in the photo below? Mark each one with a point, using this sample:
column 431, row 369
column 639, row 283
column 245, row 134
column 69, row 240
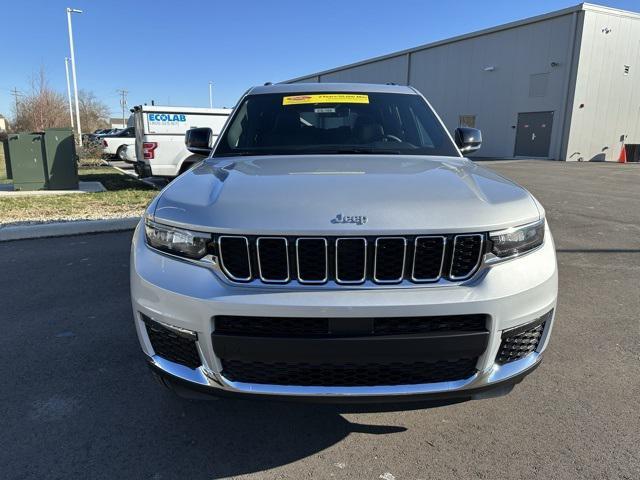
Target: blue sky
column 169, row 50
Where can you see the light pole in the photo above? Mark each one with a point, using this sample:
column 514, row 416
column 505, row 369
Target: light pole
column 210, row 94
column 66, row 69
column 73, row 71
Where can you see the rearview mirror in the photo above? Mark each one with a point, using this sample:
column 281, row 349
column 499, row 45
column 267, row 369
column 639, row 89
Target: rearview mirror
column 198, row 141
column 468, row 139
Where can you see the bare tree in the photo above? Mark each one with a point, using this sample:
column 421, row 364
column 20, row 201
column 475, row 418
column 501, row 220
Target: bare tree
column 42, row 108
column 94, row 114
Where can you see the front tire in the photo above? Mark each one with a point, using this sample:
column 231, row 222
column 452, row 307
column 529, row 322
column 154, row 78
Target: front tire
column 120, row 153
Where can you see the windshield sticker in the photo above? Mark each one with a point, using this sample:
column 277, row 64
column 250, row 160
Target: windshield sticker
column 325, row 98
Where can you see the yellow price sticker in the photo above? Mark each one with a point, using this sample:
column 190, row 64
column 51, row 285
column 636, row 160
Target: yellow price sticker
column 326, row 98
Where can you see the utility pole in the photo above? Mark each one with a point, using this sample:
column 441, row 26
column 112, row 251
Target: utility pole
column 73, row 71
column 210, row 94
column 66, row 69
column 123, row 103
column 16, row 94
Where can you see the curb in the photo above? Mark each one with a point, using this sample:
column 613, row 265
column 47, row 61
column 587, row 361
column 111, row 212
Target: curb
column 61, row 229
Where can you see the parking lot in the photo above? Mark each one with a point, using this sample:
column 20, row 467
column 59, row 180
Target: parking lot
column 77, row 401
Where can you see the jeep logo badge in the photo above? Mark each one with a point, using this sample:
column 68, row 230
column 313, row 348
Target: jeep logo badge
column 354, row 219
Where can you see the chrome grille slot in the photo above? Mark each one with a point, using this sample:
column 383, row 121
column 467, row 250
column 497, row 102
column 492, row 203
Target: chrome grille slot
column 428, row 258
column 467, row 252
column 312, row 260
column 389, row 259
column 273, row 259
column 351, row 260
column 234, row 257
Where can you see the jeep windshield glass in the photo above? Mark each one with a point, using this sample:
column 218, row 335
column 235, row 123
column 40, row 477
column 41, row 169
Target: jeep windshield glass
column 334, row 123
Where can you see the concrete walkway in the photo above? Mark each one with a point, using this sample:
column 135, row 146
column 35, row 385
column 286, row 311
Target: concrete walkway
column 6, row 190
column 62, row 229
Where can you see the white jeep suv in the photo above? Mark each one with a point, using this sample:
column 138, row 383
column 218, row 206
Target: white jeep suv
column 337, row 245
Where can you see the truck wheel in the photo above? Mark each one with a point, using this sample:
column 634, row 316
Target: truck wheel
column 120, row 153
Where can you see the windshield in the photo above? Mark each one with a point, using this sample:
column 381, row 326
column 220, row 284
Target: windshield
column 329, row 123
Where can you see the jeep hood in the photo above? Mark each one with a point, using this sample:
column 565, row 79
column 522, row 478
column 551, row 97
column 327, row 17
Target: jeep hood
column 301, row 194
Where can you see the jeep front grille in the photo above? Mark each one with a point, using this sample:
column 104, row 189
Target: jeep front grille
column 349, row 260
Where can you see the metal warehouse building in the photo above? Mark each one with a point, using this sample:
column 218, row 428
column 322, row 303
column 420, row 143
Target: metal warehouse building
column 562, row 86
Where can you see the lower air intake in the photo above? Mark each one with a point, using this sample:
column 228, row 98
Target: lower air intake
column 172, row 345
column 348, row 375
column 519, row 342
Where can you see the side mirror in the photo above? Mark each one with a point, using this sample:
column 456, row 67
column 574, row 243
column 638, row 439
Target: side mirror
column 468, row 139
column 198, row 141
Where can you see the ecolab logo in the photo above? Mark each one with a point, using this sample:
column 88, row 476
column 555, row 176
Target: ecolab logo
column 167, row 117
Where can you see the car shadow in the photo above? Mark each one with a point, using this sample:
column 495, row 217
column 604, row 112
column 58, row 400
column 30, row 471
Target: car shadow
column 230, row 437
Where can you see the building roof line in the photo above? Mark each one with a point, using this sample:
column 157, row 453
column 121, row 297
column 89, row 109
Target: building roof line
column 466, row 36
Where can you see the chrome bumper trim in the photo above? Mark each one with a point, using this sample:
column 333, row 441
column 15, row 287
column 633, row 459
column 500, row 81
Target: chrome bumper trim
column 204, row 378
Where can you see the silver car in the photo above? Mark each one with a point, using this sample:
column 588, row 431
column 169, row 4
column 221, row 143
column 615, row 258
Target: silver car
column 336, row 244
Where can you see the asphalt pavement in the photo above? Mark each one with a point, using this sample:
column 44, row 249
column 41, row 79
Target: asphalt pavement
column 77, row 401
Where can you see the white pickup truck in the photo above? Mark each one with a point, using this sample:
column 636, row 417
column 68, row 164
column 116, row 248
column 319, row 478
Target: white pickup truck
column 160, row 148
column 114, row 144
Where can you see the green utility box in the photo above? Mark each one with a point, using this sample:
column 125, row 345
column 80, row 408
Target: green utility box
column 60, row 158
column 26, row 154
column 43, row 160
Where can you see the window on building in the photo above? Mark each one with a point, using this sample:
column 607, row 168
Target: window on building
column 626, row 69
column 467, row 121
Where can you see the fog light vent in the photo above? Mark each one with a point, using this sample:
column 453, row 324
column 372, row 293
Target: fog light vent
column 173, row 345
column 519, row 342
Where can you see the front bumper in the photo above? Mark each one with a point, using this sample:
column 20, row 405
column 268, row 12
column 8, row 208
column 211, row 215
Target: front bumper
column 500, row 381
column 187, row 296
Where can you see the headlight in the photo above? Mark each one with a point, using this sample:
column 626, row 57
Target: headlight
column 517, row 240
column 184, row 243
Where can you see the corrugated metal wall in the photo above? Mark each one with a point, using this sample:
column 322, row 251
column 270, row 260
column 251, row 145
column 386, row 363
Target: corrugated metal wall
column 487, row 76
column 458, row 81
column 390, row 70
column 574, row 60
column 606, row 103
